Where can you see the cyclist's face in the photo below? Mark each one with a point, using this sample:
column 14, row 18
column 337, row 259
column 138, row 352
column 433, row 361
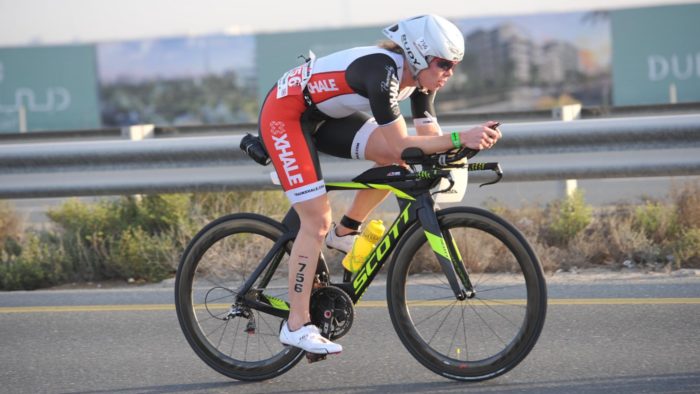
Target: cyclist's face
column 436, row 75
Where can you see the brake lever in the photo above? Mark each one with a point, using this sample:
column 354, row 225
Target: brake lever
column 452, row 184
column 499, row 176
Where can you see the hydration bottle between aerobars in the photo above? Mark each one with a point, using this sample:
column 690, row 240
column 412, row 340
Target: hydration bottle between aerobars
column 385, row 246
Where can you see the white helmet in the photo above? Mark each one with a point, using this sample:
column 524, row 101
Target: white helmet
column 426, row 36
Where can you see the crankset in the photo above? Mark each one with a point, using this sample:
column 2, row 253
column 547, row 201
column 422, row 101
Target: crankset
column 332, row 311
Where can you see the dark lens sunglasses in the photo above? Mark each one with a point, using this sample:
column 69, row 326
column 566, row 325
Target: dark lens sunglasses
column 445, row 64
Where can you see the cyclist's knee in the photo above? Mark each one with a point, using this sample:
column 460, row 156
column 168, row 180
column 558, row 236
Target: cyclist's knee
column 315, row 217
column 316, row 226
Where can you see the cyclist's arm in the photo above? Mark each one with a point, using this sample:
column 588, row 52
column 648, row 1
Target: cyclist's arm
column 423, row 111
column 396, row 134
column 380, row 83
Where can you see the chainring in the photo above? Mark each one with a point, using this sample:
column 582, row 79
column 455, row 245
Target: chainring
column 332, row 311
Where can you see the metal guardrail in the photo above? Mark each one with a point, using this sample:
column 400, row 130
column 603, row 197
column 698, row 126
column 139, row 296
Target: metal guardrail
column 552, row 150
column 593, row 112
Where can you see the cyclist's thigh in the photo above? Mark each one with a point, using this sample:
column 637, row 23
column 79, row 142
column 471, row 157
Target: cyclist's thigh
column 293, row 155
column 346, row 137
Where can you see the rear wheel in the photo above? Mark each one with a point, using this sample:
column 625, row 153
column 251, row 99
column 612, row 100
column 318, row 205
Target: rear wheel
column 478, row 338
column 236, row 341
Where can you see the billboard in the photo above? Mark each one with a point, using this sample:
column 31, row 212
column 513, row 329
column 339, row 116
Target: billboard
column 178, row 81
column 512, row 63
column 520, row 63
column 656, row 55
column 55, row 87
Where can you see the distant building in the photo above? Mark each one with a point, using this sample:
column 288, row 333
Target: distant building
column 501, row 56
column 559, row 61
column 507, row 57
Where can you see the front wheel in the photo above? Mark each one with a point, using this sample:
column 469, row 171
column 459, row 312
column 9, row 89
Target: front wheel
column 481, row 337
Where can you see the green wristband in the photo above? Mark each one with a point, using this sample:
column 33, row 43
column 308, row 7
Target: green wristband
column 455, row 139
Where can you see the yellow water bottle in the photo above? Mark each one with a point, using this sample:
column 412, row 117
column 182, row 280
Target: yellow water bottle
column 363, row 245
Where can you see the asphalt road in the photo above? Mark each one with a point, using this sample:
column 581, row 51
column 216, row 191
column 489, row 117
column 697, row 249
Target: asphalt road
column 630, row 334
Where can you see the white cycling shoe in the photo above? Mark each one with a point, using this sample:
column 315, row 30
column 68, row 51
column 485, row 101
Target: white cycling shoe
column 308, row 338
column 343, row 244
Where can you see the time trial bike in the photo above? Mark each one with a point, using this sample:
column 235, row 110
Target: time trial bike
column 465, row 291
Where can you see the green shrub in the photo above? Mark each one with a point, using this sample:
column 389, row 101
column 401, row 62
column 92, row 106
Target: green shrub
column 142, row 237
column 656, row 220
column 37, row 265
column 209, row 206
column 687, row 201
column 10, row 229
column 567, row 218
column 686, row 249
column 154, row 213
column 139, row 255
column 129, row 237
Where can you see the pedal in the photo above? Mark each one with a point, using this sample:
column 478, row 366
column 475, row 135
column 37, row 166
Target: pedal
column 313, row 357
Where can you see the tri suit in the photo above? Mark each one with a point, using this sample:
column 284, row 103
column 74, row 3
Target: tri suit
column 324, row 105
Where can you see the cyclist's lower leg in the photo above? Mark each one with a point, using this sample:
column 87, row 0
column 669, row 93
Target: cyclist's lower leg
column 314, row 216
column 363, row 204
column 315, row 219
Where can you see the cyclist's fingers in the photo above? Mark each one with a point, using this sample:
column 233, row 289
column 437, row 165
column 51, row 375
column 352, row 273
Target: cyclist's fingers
column 493, row 134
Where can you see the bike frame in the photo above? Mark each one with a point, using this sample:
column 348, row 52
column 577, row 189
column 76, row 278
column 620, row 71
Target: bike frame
column 419, row 207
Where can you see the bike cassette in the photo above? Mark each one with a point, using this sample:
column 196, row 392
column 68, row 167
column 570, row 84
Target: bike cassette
column 332, row 311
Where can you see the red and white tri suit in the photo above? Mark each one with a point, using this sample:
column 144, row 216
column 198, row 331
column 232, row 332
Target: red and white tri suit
column 324, row 104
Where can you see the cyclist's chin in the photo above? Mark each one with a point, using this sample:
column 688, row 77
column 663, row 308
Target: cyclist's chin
column 437, row 85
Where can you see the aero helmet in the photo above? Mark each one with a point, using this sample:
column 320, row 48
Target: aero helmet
column 426, row 36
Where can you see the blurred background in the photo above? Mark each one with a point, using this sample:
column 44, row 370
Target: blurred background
column 81, row 64
column 138, row 108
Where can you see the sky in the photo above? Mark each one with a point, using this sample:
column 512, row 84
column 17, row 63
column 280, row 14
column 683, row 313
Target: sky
column 50, row 22
column 174, row 56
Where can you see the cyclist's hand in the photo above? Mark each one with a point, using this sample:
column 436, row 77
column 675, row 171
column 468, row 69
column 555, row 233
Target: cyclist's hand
column 481, row 137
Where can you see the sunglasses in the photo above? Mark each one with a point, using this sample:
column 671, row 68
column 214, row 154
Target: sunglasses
column 445, row 65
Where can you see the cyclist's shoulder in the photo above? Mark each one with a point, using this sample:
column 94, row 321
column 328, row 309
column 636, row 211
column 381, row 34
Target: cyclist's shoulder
column 361, row 59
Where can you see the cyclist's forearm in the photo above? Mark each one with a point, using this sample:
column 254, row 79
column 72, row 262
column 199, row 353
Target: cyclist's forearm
column 396, row 135
column 427, row 143
column 428, row 130
column 427, row 126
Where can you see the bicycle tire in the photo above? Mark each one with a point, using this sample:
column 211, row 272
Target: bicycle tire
column 214, row 264
column 445, row 334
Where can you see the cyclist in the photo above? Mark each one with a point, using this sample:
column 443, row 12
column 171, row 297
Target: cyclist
column 324, row 105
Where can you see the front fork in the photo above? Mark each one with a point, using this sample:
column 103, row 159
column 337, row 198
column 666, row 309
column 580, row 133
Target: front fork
column 445, row 249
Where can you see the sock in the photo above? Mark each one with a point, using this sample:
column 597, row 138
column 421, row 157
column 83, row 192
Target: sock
column 352, row 224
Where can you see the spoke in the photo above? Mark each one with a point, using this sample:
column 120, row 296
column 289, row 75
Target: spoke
column 211, row 283
column 499, row 314
column 500, row 288
column 258, row 338
column 454, row 336
column 487, row 325
column 446, row 285
column 245, row 353
column 216, row 328
column 501, row 302
column 223, row 332
column 212, row 316
column 235, row 335
column 261, row 317
column 431, row 316
column 447, row 297
column 464, row 325
column 222, row 297
column 441, row 324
